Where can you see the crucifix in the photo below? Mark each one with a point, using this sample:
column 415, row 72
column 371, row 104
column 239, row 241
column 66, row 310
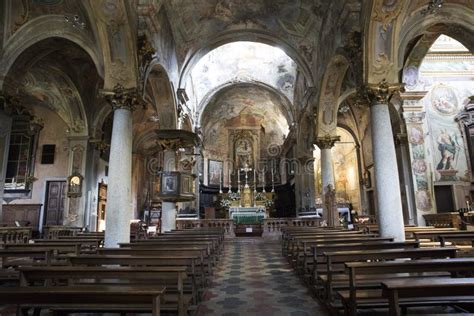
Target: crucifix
column 246, row 170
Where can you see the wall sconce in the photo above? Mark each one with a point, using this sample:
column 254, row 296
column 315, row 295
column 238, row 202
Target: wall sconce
column 74, row 185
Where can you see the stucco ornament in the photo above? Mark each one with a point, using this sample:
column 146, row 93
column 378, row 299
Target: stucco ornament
column 385, row 11
column 121, row 98
column 382, row 92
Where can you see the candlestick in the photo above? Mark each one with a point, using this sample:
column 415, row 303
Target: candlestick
column 264, row 191
column 273, row 181
column 230, row 183
column 254, row 180
column 238, row 181
column 220, row 182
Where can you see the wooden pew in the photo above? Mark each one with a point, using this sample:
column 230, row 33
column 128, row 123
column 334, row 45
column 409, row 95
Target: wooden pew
column 318, row 264
column 173, row 277
column 193, row 264
column 90, row 298
column 335, row 278
column 456, row 237
column 422, row 292
column 357, row 297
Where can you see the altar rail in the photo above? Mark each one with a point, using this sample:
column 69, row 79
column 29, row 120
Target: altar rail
column 272, row 226
column 226, row 224
column 15, row 235
column 452, row 219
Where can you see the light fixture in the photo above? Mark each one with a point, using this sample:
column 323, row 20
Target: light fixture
column 75, row 21
column 432, row 7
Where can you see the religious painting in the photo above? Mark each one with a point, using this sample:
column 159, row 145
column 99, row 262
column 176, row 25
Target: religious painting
column 450, row 160
column 243, row 153
column 423, row 200
column 214, row 171
column 169, row 183
column 444, row 100
column 415, row 135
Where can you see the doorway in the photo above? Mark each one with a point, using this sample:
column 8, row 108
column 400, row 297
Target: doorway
column 101, row 203
column 444, row 198
column 54, row 206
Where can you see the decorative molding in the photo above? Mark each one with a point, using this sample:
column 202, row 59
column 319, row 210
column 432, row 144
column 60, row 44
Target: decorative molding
column 414, row 117
column 327, row 142
column 382, row 92
column 386, row 13
column 121, row 98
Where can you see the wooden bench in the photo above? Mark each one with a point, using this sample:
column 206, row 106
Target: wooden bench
column 423, row 291
column 173, row 277
column 90, row 298
column 335, row 278
column 359, row 297
column 193, row 264
column 318, row 264
column 463, row 236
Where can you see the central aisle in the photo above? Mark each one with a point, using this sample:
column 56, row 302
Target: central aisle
column 254, row 279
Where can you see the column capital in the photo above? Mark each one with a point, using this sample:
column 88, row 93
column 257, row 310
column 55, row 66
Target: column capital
column 327, row 142
column 381, row 92
column 121, row 98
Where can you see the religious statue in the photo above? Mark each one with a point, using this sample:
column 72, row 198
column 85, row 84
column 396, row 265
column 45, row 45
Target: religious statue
column 330, row 206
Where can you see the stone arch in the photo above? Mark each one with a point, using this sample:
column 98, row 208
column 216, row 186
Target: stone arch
column 249, row 36
column 459, row 28
column 42, row 28
column 159, row 92
column 329, row 95
column 63, row 94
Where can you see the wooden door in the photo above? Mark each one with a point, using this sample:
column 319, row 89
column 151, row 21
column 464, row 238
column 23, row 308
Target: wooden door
column 55, row 197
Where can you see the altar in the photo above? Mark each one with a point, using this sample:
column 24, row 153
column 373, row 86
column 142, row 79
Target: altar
column 247, row 215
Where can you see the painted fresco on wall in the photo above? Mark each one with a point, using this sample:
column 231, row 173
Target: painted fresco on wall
column 346, row 168
column 448, row 153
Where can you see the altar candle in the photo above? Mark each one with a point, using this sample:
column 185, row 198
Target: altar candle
column 255, row 178
column 220, row 182
column 230, row 181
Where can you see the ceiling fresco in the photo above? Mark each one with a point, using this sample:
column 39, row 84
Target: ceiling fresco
column 199, row 17
column 244, row 62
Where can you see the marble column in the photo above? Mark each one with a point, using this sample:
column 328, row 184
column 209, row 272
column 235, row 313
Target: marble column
column 119, row 210
column 169, row 209
column 325, row 144
column 387, row 183
column 5, row 129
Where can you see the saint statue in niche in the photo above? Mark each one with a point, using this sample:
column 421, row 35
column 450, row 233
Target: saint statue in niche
column 243, row 153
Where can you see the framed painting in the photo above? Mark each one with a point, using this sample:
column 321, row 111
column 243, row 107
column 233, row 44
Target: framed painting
column 169, row 183
column 214, row 170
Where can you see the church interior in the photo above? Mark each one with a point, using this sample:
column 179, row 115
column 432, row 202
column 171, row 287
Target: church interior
column 236, row 157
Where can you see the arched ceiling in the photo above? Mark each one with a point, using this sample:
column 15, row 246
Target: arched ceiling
column 245, row 106
column 57, row 74
column 243, row 62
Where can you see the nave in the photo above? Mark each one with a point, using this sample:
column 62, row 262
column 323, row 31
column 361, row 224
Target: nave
column 255, row 279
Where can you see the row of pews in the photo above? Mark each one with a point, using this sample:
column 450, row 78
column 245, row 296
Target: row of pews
column 76, row 274
column 351, row 271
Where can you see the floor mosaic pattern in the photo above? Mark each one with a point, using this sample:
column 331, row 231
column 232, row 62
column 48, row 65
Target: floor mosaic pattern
column 254, row 279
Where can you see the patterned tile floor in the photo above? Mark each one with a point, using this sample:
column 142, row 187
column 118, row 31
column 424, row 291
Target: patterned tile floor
column 253, row 278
